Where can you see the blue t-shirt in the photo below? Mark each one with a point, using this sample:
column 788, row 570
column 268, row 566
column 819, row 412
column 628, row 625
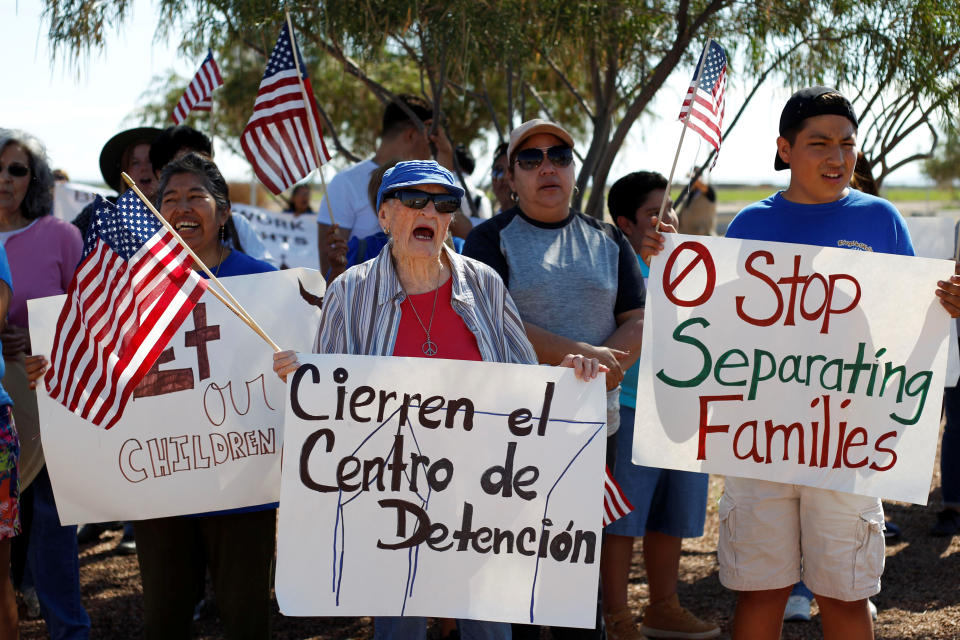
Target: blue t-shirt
column 631, row 377
column 856, row 221
column 239, row 264
column 5, row 276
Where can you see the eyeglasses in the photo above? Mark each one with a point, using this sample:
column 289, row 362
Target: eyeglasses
column 497, row 173
column 16, row 170
column 416, row 199
column 560, row 156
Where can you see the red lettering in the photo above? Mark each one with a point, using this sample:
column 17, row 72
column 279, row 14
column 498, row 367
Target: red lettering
column 753, row 453
column 760, row 322
column 849, row 443
column 705, row 428
column 879, row 449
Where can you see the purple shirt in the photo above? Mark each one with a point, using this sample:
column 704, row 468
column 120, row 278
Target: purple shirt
column 42, row 261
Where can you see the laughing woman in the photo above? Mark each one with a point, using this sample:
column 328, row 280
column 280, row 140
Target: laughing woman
column 175, row 552
column 437, row 305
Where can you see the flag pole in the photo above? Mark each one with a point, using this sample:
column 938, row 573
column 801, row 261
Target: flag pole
column 696, row 86
column 313, row 125
column 236, row 307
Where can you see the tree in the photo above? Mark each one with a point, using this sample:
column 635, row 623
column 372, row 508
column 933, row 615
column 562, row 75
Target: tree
column 594, row 67
column 944, row 167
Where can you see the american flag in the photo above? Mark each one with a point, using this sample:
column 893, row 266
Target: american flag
column 279, row 139
column 132, row 291
column 197, row 95
column 705, row 97
column 615, row 503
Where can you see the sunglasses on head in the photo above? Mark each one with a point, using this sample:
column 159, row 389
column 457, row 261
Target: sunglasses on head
column 416, row 199
column 560, row 156
column 16, row 170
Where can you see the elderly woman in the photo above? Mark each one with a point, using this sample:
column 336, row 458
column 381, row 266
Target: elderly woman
column 441, row 305
column 575, row 278
column 43, row 252
column 172, row 551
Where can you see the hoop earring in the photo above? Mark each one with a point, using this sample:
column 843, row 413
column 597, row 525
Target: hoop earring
column 576, row 190
column 514, row 197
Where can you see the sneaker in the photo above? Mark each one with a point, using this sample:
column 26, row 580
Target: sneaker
column 621, row 625
column 891, row 533
column 127, row 546
column 798, row 609
column 667, row 619
column 948, row 524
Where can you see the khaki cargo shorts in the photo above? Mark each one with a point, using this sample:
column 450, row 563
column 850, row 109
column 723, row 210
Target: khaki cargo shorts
column 772, row 535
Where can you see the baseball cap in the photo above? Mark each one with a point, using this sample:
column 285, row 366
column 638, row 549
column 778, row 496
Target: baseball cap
column 802, row 105
column 532, row 128
column 412, row 173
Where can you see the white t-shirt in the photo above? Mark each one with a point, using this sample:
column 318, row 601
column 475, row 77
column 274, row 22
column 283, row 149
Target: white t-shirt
column 349, row 202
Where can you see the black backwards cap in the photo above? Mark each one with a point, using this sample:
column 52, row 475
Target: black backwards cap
column 802, row 105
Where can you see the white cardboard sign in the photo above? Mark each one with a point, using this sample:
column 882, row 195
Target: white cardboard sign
column 204, row 430
column 809, row 365
column 291, row 240
column 441, row 488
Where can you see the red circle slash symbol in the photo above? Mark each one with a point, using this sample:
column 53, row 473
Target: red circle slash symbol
column 702, row 256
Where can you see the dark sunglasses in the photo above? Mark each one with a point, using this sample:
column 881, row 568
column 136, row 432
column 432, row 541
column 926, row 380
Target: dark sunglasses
column 16, row 170
column 497, row 173
column 560, row 156
column 416, row 199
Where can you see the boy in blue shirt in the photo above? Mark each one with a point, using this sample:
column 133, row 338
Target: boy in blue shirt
column 841, row 550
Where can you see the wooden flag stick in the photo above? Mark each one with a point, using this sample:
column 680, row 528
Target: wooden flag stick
column 696, row 86
column 313, row 125
column 236, row 307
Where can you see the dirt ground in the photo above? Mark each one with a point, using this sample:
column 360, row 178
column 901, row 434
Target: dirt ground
column 920, row 597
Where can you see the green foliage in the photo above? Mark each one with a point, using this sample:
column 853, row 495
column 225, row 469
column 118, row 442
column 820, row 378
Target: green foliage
column 593, row 66
column 944, row 167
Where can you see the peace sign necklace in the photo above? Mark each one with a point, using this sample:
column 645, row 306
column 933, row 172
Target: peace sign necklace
column 429, row 347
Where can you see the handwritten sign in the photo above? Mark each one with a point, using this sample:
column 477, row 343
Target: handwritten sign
column 291, row 240
column 816, row 366
column 205, row 428
column 441, row 488
column 69, row 198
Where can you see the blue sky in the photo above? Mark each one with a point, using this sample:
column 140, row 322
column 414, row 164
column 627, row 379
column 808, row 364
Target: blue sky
column 74, row 109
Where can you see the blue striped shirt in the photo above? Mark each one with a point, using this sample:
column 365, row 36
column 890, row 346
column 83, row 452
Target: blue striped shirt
column 361, row 310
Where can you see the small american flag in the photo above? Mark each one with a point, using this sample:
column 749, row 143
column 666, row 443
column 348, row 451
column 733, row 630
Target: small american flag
column 197, row 95
column 132, row 291
column 705, row 97
column 615, row 503
column 279, row 139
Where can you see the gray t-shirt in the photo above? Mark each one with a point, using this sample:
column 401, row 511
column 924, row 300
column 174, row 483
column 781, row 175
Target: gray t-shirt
column 571, row 277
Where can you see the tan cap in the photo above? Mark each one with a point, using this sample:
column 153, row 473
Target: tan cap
column 532, row 128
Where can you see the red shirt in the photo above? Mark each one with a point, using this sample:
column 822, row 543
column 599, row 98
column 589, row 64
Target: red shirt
column 453, row 340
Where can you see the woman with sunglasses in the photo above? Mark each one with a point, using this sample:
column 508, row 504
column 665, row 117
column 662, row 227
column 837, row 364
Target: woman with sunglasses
column 440, row 305
column 43, row 252
column 575, row 279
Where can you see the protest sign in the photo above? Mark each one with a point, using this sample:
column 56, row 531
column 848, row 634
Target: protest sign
column 441, row 488
column 290, row 239
column 69, row 198
column 810, row 365
column 204, row 429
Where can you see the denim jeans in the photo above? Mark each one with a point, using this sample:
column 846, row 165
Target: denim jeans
column 413, row 628
column 52, row 558
column 950, row 449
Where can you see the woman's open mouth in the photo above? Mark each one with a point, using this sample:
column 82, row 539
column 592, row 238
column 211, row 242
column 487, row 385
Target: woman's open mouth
column 423, row 233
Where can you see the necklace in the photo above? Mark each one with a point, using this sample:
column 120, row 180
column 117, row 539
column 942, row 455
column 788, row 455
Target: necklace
column 429, row 347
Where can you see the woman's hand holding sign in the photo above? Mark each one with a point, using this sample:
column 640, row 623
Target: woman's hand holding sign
column 949, row 293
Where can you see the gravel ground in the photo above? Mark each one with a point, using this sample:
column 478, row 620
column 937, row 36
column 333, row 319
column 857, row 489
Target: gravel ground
column 920, row 597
